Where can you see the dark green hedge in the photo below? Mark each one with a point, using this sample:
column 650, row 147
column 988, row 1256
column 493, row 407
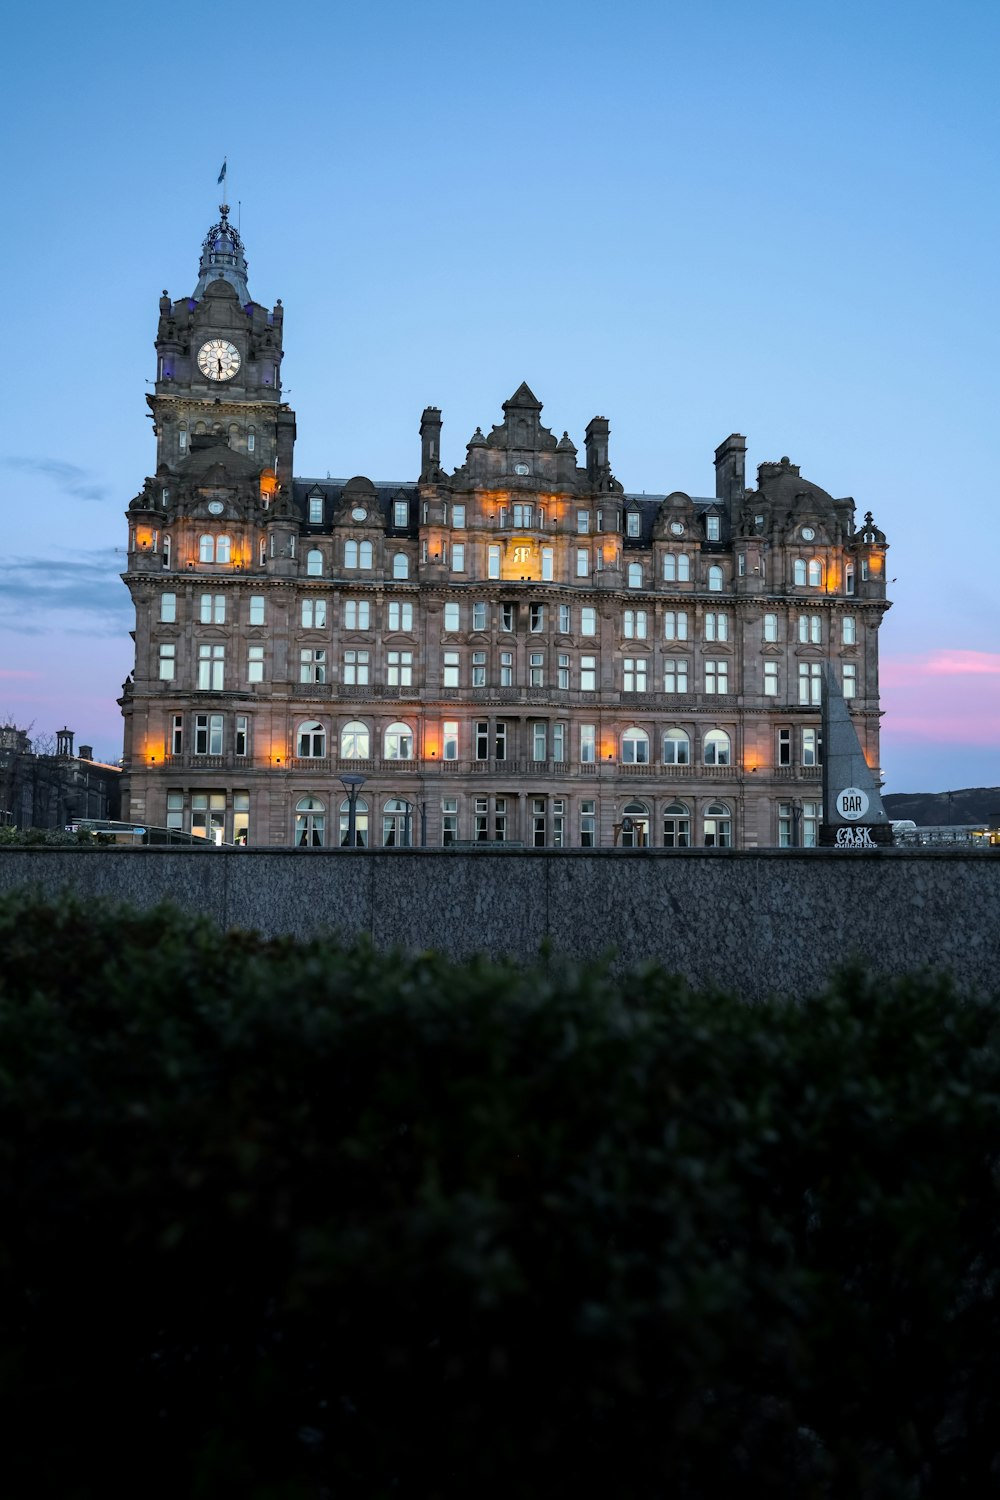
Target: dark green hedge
column 288, row 1220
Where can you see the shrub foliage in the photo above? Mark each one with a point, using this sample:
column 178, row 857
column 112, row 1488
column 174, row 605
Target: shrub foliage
column 286, row 1219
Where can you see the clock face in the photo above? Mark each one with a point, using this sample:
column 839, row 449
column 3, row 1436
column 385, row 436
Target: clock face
column 807, row 533
column 216, row 507
column 359, row 513
column 218, row 359
column 677, row 527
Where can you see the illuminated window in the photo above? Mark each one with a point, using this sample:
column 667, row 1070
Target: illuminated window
column 478, row 669
column 449, row 820
column 356, row 665
column 810, row 629
column 547, row 557
column 676, row 748
column 634, row 674
column 257, row 609
column 770, row 627
column 716, row 626
column 562, row 677
column 588, row 823
column 536, row 669
column 675, row 675
column 452, row 616
column 582, row 562
column 770, row 679
column 449, row 676
column 635, row 747
column 810, row 683
column 715, row 580
column 399, row 668
column 632, row 523
column 314, row 563
column 355, row 741
column 718, row 826
column 506, row 669
column 398, row 742
column 314, row 614
column 211, row 668
column 717, row 676
column 634, row 624
column 588, row 620
column 716, row 748
column 400, row 565
column 208, row 734
column 312, row 664
column 357, row 614
column 635, row 575
column 479, row 615
column 255, row 664
column 310, row 740
column 588, row 674
column 675, row 625
column 848, row 630
column 676, row 826
column 588, row 744
column 208, row 815
column 168, row 609
column 850, row 680
column 168, row 661
column 315, row 509
column 713, row 528
column 449, row 739
column 458, row 557
column 493, row 562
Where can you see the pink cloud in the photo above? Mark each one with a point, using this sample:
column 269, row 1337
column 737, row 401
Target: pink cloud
column 9, row 672
column 945, row 697
column 977, row 662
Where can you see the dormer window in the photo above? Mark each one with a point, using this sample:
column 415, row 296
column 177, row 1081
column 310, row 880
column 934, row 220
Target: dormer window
column 632, row 523
column 315, row 509
column 400, row 513
column 713, row 528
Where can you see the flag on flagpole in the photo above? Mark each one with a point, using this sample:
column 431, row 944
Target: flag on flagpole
column 222, row 174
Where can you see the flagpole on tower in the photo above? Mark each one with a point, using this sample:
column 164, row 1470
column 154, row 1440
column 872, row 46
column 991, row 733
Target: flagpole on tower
column 222, row 179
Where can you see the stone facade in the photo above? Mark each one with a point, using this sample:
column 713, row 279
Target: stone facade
column 518, row 651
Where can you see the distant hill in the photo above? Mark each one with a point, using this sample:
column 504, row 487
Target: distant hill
column 978, row 804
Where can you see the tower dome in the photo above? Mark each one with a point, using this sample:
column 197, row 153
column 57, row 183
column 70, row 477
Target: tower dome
column 223, row 258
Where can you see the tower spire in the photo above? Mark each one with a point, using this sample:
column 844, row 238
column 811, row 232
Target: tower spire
column 222, row 255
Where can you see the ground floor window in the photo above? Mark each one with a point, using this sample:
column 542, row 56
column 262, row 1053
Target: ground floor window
column 310, row 823
column 449, row 820
column 676, row 826
column 635, row 826
column 360, row 823
column 588, row 823
column 397, row 824
column 208, row 816
column 718, row 826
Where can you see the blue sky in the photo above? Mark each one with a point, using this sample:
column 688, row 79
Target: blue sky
column 692, row 218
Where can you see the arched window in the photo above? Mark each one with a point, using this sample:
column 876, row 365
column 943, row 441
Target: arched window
column 799, row 573
column 397, row 824
column 635, row 747
column 849, row 578
column 311, row 739
column 715, row 580
column 676, row 748
column 314, row 563
column 310, row 823
column 366, row 554
column 718, row 826
column 222, row 549
column 234, row 434
column 251, row 439
column 635, row 575
column 206, row 549
column 355, row 741
column 676, row 826
column 399, row 742
column 182, row 438
column 635, row 825
column 717, row 748
column 401, row 566
column 815, row 574
column 350, row 554
column 360, row 823
column 683, row 568
column 262, row 553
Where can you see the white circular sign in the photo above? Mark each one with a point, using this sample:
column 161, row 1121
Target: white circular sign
column 852, row 803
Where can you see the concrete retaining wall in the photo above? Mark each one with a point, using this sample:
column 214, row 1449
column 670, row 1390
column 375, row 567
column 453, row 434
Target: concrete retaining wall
column 760, row 922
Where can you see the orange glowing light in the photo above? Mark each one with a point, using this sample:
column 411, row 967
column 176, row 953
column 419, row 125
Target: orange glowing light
column 608, row 748
column 268, row 482
column 431, row 746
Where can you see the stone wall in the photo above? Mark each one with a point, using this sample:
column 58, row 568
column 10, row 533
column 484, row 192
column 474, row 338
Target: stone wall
column 759, row 922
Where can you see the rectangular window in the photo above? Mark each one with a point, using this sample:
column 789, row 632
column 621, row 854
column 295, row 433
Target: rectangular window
column 786, row 826
column 675, row 625
column 177, row 735
column 716, row 626
column 315, row 509
column 536, row 669
column 312, row 664
column 675, row 675
column 559, row 742
column 632, row 523
column 582, row 562
column 864, row 569
column 508, row 616
column 478, row 669
column 449, row 676
column 784, row 747
column 449, row 820
column 521, row 515
column 564, row 619
column 770, row 627
column 850, row 680
column 357, row 614
column 539, row 740
column 452, row 616
column 458, row 517
column 588, row 744
column 257, row 616
column 493, row 562
column 500, row 746
column 399, row 668
column 811, row 683
column 588, row 823
column 713, row 528
column 506, row 669
column 208, row 815
column 538, row 822
column 558, row 822
column 482, row 820
column 811, row 747
column 255, row 664
column 400, row 513
column 500, row 819
column 536, row 618
column 634, row 624
column 400, row 616
column 770, row 679
column 168, row 662
column 208, row 734
column 563, row 671
column 213, row 609
column 810, row 824
column 588, row 620
column 449, row 739
column 810, row 629
column 583, row 522
column 849, row 631
column 588, row 674
column 355, row 668
column 741, row 565
column 547, row 564
column 211, row 668
column 241, row 735
column 479, row 615
column 458, row 557
column 482, row 740
column 676, row 567
column 716, row 677
column 314, row 613
column 634, row 678
column 168, row 609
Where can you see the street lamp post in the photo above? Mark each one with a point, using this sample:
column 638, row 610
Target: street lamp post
column 352, row 783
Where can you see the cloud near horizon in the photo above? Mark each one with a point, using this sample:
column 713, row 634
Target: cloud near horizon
column 71, row 478
column 33, row 590
column 947, row 696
